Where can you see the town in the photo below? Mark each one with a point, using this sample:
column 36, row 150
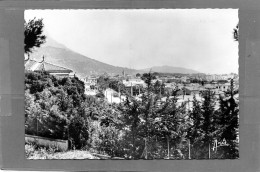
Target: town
column 136, row 87
column 187, row 85
column 184, row 89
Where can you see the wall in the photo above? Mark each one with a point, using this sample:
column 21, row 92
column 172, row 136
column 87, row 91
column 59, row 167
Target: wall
column 61, row 145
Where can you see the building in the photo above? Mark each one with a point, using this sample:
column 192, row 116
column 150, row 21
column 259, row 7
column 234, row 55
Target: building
column 134, row 86
column 192, row 90
column 91, row 80
column 223, row 87
column 33, row 65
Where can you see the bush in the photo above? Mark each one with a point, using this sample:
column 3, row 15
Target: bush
column 34, row 151
column 78, row 132
column 51, row 104
column 100, row 95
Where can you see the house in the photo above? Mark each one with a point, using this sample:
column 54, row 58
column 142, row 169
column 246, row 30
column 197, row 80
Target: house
column 210, row 86
column 193, row 90
column 133, row 86
column 33, row 65
column 91, row 80
column 223, row 87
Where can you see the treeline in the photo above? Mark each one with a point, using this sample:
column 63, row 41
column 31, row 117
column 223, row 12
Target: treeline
column 54, row 109
column 147, row 128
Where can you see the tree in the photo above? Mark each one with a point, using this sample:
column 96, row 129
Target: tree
column 78, row 131
column 131, row 118
column 152, row 128
column 228, row 124
column 53, row 108
column 103, row 82
column 148, row 77
column 157, row 87
column 171, row 127
column 209, row 125
column 235, row 33
column 195, row 129
column 33, row 35
column 138, row 75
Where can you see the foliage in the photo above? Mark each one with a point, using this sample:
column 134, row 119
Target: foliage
column 138, row 75
column 148, row 77
column 78, row 131
column 150, row 124
column 195, row 131
column 147, row 127
column 235, row 33
column 100, row 94
column 103, row 82
column 33, row 151
column 228, row 123
column 33, row 35
column 104, row 131
column 52, row 105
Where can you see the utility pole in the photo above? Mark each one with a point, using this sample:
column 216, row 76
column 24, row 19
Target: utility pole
column 37, row 124
column 188, row 104
column 189, row 149
column 131, row 89
column 119, row 92
column 209, row 150
column 168, row 145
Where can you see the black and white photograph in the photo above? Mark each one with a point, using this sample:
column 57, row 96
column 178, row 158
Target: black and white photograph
column 131, row 84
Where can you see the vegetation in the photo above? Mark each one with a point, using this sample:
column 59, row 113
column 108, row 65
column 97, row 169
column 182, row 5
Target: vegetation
column 33, row 151
column 33, row 35
column 236, row 33
column 146, row 128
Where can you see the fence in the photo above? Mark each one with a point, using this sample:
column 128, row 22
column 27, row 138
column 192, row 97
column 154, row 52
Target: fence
column 47, row 142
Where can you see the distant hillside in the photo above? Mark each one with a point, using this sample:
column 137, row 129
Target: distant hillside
column 58, row 54
column 169, row 69
column 52, row 43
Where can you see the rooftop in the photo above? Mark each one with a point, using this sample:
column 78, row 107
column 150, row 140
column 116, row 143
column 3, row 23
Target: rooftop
column 48, row 67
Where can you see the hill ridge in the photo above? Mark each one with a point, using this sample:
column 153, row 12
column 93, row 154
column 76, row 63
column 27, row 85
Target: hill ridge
column 58, row 54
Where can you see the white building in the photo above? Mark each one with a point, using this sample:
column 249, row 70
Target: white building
column 91, row 80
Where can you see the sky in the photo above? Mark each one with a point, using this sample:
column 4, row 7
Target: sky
column 198, row 39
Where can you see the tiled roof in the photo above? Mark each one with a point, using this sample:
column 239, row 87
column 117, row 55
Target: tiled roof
column 28, row 64
column 192, row 88
column 51, row 68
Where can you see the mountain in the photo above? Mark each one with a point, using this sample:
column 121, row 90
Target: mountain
column 170, row 69
column 52, row 43
column 60, row 55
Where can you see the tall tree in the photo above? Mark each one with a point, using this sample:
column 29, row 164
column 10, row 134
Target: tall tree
column 132, row 123
column 33, row 35
column 228, row 122
column 171, row 127
column 195, row 129
column 148, row 77
column 209, row 126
